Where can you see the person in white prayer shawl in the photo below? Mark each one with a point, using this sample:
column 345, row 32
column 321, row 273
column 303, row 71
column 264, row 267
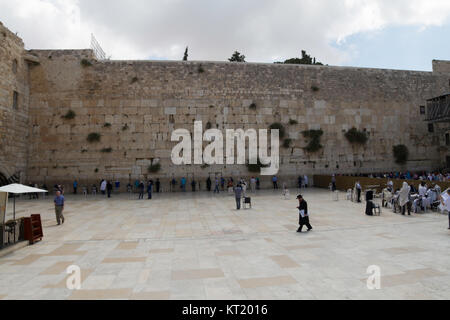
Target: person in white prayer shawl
column 403, row 198
column 422, row 189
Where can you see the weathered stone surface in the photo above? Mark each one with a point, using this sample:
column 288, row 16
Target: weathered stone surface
column 169, row 95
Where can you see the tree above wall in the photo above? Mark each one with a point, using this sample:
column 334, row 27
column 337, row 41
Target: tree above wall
column 237, row 57
column 305, row 59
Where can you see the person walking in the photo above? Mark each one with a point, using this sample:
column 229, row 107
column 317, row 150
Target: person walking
column 109, row 188
column 149, row 189
column 358, row 191
column 222, row 183
column 59, row 207
column 216, row 188
column 141, row 190
column 183, row 184
column 305, row 181
column 258, row 183
column 208, row 184
column 303, row 214
column 117, row 185
column 403, row 198
column 446, row 204
column 172, row 185
column 238, row 196
column 193, row 184
column 158, row 185
column 103, row 187
column 253, row 184
column 299, row 182
column 333, row 183
column 275, row 182
column 75, row 187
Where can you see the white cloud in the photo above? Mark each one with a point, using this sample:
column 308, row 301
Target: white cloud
column 263, row 30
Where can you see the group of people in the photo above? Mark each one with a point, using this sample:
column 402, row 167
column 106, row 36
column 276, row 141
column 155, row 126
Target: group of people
column 430, row 176
column 409, row 198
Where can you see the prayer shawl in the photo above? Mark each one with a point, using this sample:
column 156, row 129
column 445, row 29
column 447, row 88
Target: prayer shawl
column 404, row 194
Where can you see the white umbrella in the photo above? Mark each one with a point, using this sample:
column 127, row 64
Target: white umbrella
column 20, row 188
column 16, row 188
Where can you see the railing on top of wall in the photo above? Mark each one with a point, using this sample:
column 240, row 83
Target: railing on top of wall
column 344, row 183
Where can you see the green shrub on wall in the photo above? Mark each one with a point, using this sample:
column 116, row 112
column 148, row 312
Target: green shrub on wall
column 93, row 137
column 252, row 106
column 154, row 167
column 280, row 127
column 256, row 168
column 293, row 122
column 355, row 136
column 287, row 143
column 314, row 140
column 85, row 63
column 69, row 115
column 106, row 150
column 401, row 153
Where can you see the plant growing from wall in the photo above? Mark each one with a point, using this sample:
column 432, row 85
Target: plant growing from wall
column 93, row 137
column 96, row 170
column 256, row 168
column 107, row 125
column 200, row 69
column 314, row 88
column 125, row 127
column 355, row 136
column 293, row 122
column 85, row 63
column 314, row 140
column 280, row 127
column 252, row 106
column 69, row 115
column 401, row 153
column 134, row 80
column 106, row 150
column 287, row 143
column 154, row 167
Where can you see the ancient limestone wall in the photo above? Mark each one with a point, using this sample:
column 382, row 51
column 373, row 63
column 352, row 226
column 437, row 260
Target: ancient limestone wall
column 14, row 127
column 135, row 105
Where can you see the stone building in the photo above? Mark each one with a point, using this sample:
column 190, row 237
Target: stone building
column 52, row 100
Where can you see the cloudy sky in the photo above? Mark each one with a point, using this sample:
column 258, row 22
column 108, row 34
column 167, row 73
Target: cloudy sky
column 399, row 34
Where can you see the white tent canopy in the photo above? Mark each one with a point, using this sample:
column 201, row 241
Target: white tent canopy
column 20, row 188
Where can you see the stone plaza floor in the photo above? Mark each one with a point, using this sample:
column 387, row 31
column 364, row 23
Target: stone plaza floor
column 198, row 246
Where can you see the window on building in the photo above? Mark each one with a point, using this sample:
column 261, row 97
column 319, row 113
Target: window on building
column 447, row 139
column 15, row 100
column 422, row 109
column 14, row 66
column 430, row 128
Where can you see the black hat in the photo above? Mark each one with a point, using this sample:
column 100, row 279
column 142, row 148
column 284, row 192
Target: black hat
column 299, row 196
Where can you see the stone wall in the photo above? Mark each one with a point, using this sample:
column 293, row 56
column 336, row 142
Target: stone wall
column 14, row 128
column 135, row 105
column 441, row 66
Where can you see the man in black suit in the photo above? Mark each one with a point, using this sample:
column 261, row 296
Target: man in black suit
column 303, row 214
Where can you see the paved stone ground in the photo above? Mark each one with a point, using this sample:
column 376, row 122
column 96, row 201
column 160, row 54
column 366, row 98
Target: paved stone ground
column 185, row 246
